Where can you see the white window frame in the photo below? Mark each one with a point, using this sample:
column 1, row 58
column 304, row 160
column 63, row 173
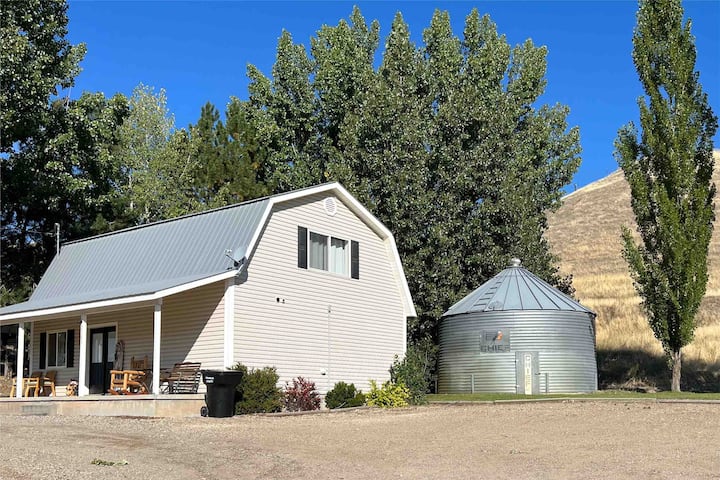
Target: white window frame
column 329, row 258
column 47, row 348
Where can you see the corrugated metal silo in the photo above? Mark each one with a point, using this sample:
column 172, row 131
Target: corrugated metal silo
column 517, row 334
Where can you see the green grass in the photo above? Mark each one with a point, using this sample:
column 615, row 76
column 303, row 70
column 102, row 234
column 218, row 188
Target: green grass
column 618, row 394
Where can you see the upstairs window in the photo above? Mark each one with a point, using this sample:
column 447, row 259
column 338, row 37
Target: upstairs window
column 328, row 253
column 339, row 256
column 318, row 251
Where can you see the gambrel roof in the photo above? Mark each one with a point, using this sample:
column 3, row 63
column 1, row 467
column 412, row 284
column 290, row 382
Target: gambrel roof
column 152, row 261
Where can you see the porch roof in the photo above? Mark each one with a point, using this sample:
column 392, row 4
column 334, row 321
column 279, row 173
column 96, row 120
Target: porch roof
column 147, row 259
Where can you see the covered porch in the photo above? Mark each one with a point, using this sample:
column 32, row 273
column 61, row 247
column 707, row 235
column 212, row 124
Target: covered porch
column 81, row 344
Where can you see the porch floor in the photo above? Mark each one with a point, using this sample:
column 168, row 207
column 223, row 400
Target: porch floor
column 176, row 405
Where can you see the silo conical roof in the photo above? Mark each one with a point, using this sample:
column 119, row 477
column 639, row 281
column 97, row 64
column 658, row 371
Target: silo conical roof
column 515, row 288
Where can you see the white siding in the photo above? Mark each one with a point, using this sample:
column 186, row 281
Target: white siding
column 348, row 328
column 192, row 327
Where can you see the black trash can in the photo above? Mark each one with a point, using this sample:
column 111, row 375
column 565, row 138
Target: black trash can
column 220, row 396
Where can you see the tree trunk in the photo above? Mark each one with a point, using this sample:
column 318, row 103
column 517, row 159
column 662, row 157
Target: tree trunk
column 676, row 358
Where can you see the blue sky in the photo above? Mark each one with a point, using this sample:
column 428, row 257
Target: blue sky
column 199, row 51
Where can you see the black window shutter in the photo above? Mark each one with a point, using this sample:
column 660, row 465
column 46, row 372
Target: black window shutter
column 354, row 259
column 43, row 349
column 302, row 247
column 70, row 348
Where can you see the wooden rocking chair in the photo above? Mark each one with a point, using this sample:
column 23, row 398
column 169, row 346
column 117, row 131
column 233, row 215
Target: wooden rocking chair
column 32, row 382
column 47, row 383
column 127, row 382
column 139, row 364
column 183, row 378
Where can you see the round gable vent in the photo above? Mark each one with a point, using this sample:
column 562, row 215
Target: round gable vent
column 330, row 206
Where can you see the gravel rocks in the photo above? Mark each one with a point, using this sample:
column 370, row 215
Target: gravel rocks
column 560, row 440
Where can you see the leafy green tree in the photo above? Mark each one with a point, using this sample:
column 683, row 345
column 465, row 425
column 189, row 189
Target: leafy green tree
column 344, row 74
column 36, row 61
column 445, row 144
column 669, row 169
column 65, row 174
column 515, row 158
column 387, row 153
column 284, row 109
column 158, row 162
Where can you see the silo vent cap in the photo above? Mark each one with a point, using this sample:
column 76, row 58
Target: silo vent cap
column 515, row 262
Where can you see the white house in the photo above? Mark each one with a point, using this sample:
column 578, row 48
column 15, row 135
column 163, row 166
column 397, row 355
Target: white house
column 308, row 281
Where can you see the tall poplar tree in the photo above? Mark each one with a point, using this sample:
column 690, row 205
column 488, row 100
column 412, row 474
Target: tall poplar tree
column 387, row 152
column 669, row 169
column 284, row 109
column 444, row 142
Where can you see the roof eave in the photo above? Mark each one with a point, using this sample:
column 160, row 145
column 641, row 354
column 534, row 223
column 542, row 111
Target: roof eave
column 64, row 310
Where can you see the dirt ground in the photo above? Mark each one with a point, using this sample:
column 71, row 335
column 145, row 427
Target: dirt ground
column 535, row 440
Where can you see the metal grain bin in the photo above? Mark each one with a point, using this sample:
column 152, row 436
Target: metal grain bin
column 517, row 334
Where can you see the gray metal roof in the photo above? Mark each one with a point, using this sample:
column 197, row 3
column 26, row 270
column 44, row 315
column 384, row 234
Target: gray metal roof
column 515, row 288
column 146, row 259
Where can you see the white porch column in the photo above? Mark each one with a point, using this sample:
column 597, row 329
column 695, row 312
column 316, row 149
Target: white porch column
column 20, row 360
column 157, row 318
column 82, row 367
column 229, row 318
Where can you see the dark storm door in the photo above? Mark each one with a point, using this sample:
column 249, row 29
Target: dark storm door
column 102, row 356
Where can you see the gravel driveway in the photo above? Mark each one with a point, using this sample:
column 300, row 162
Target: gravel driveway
column 534, row 440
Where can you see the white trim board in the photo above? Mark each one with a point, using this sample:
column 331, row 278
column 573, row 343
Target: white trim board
column 113, row 304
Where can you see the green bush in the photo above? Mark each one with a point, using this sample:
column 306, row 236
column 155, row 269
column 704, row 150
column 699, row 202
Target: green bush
column 343, row 395
column 415, row 370
column 258, row 391
column 390, row 395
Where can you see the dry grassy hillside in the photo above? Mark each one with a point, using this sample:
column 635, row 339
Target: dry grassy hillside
column 585, row 234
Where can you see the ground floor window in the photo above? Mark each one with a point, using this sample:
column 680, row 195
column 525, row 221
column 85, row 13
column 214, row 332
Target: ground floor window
column 57, row 349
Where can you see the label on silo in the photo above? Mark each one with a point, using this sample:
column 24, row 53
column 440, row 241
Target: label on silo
column 494, row 341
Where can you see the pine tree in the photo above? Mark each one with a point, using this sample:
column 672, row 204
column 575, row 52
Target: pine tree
column 669, row 169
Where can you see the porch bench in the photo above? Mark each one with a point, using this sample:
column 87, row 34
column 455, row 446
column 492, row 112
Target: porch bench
column 183, row 378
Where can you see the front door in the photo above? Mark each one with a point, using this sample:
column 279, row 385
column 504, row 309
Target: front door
column 102, row 356
column 526, row 373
